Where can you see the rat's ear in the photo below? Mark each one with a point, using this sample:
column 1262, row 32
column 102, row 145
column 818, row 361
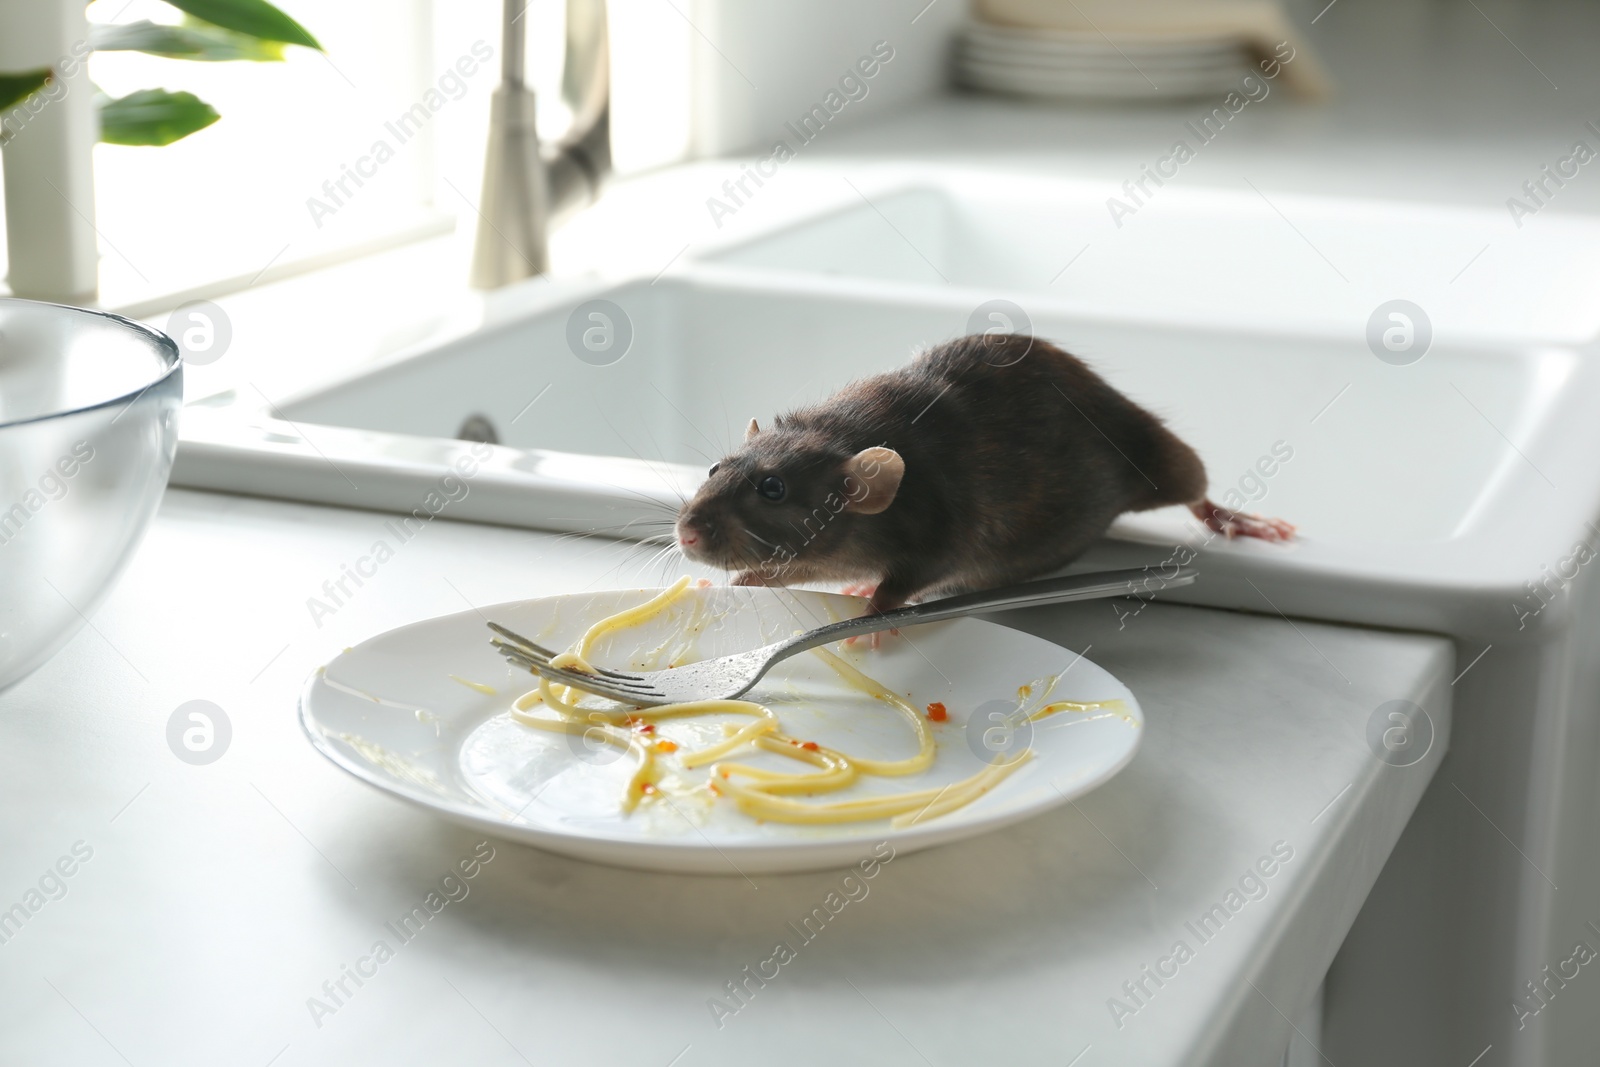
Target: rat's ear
column 872, row 478
column 751, row 430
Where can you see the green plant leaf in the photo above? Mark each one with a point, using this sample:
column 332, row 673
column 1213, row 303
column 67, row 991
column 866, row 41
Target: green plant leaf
column 15, row 88
column 154, row 117
column 197, row 41
column 254, row 17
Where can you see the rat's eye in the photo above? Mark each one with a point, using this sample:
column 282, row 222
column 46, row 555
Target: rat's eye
column 772, row 487
column 714, row 468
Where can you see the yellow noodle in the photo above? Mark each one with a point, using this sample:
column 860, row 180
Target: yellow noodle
column 964, row 792
column 612, row 735
column 757, row 791
column 837, row 769
column 760, row 804
column 1113, row 708
column 737, row 739
column 925, row 747
column 633, row 616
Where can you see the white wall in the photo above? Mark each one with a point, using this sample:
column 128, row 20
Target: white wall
column 704, row 78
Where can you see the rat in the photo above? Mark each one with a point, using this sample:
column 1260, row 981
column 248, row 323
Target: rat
column 985, row 461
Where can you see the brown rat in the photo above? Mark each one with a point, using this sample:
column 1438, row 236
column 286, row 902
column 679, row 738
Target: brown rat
column 987, row 460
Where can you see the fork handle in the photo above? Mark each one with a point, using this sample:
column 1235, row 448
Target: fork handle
column 1133, row 582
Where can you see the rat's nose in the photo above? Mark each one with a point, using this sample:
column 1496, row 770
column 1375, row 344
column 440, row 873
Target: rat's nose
column 689, row 533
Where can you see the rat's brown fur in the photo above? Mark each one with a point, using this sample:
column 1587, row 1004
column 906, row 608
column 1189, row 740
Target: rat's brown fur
column 1017, row 458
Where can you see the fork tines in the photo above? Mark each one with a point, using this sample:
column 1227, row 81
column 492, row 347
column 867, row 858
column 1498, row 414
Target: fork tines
column 589, row 683
column 530, row 656
column 546, row 655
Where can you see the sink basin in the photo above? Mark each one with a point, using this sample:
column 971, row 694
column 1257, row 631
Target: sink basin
column 708, row 355
column 1436, row 476
column 1253, row 258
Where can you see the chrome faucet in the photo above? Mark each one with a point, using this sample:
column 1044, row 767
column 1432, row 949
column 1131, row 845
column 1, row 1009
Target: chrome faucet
column 528, row 187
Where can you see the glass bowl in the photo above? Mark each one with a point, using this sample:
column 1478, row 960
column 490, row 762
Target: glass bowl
column 88, row 427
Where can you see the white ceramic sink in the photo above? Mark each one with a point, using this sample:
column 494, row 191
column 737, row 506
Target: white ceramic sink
column 707, row 356
column 1460, row 471
column 1247, row 258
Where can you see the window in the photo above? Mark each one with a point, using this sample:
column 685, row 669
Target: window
column 377, row 140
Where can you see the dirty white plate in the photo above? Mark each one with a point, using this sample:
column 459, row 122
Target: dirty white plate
column 390, row 712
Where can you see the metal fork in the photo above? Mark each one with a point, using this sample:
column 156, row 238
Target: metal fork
column 729, row 677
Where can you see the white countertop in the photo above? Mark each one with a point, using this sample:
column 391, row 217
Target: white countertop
column 219, row 898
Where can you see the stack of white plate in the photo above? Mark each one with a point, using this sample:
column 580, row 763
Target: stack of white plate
column 1088, row 65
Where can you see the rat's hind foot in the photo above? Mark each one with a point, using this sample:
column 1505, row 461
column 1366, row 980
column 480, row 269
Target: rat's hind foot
column 1233, row 524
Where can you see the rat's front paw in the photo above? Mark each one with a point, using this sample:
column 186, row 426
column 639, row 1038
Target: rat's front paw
column 874, row 640
column 748, row 578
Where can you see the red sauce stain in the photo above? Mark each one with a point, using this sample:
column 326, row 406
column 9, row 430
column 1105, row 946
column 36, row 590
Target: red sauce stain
column 937, row 712
column 811, row 746
column 666, row 746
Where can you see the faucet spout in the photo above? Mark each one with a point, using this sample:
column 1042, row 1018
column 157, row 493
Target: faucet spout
column 529, row 186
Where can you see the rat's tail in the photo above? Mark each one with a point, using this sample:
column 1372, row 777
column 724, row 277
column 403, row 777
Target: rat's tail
column 1186, row 478
column 1238, row 524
